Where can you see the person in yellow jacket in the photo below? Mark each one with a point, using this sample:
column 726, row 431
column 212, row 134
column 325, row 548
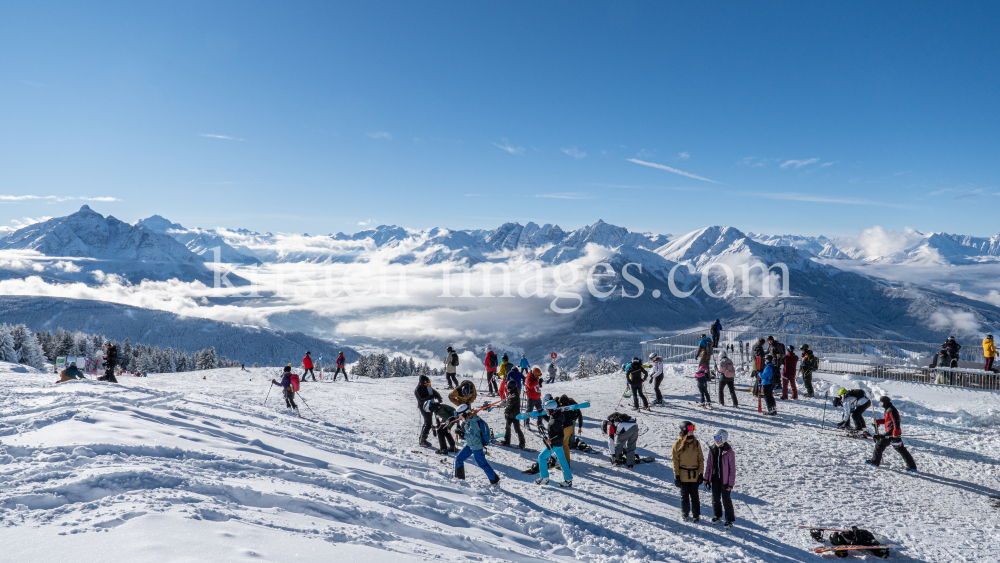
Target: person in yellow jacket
column 689, row 470
column 505, row 366
column 990, row 351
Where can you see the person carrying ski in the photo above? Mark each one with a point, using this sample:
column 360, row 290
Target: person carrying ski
column 767, row 382
column 702, row 377
column 635, row 374
column 523, row 364
column 689, row 470
column 450, row 368
column 307, row 367
column 788, row 375
column 657, row 376
column 893, row 436
column 623, row 434
column 552, row 373
column 477, row 435
column 716, row 332
column 855, row 403
column 289, row 385
column 989, row 352
column 341, row 362
column 533, row 391
column 491, row 364
column 727, row 378
column 512, row 408
column 464, row 394
column 110, row 361
column 554, row 445
column 720, row 477
column 443, row 415
column 424, row 392
column 810, row 363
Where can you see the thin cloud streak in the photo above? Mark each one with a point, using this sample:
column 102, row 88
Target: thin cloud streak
column 214, row 136
column 669, row 169
column 506, row 146
column 54, row 198
column 566, row 195
column 799, row 163
column 380, row 135
column 574, row 152
column 792, row 196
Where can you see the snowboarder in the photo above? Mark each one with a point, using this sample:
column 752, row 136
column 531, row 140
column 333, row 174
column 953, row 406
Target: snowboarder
column 491, row 364
column 702, row 376
column 689, row 470
column 307, row 367
column 512, row 408
column 716, row 332
column 464, row 394
column 727, row 378
column 523, row 364
column 855, row 403
column 477, row 435
column 623, row 434
column 70, row 373
column 341, row 361
column 533, row 388
column 720, row 477
column 809, row 363
column 788, row 375
column 767, row 382
column 893, row 436
column 635, row 374
column 110, row 361
column 424, row 392
column 451, row 367
column 554, row 444
column 289, row 385
column 552, row 373
column 657, row 377
column 989, row 352
column 443, row 415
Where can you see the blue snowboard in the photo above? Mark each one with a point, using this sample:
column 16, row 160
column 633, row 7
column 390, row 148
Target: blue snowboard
column 536, row 414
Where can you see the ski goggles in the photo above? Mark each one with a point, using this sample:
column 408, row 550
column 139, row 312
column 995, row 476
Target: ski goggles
column 718, row 438
column 689, row 428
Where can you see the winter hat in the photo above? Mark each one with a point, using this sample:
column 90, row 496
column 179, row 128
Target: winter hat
column 462, row 409
column 635, row 358
column 288, row 368
column 449, row 349
column 522, row 355
column 505, row 358
column 721, row 435
column 989, row 336
column 550, row 404
column 307, row 353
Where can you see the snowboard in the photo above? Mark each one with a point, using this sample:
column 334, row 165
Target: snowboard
column 835, row 548
column 536, row 414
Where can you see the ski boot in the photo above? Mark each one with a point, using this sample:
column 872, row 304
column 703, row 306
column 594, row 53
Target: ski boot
column 565, row 484
column 696, row 519
column 440, row 451
column 716, row 520
column 542, row 481
column 495, row 481
column 729, row 525
column 686, row 517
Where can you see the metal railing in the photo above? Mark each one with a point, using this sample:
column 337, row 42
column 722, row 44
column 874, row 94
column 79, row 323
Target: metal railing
column 885, row 359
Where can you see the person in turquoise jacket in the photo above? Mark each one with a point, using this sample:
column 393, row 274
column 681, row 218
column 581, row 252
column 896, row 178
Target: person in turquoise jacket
column 475, row 441
column 767, row 384
column 523, row 364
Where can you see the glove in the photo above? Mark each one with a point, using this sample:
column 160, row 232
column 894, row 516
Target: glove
column 701, row 478
column 677, row 482
column 708, row 485
column 729, row 488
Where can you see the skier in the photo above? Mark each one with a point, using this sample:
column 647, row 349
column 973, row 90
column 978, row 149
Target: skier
column 767, row 382
column 464, row 394
column 702, row 376
column 307, row 366
column 727, row 378
column 110, row 361
column 855, row 403
column 533, row 388
column 476, row 437
column 243, row 367
column 518, row 378
column 788, row 375
column 523, row 364
column 552, row 373
column 451, row 366
column 505, row 366
column 809, row 363
column 689, row 470
column 341, row 361
column 716, row 332
column 289, row 385
column 443, row 415
column 657, row 377
column 424, row 392
column 720, row 477
column 512, row 408
column 70, row 373
column 491, row 371
column 635, row 374
column 623, row 433
column 989, row 352
column 893, row 436
column 554, row 444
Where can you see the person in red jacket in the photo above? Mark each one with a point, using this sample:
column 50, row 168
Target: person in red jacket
column 341, row 362
column 533, row 388
column 788, row 374
column 307, row 363
column 893, row 435
column 491, row 364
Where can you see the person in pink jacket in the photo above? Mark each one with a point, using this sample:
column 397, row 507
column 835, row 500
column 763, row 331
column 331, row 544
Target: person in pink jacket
column 720, row 477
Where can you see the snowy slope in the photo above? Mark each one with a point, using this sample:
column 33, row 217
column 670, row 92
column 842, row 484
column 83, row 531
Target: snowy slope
column 180, row 468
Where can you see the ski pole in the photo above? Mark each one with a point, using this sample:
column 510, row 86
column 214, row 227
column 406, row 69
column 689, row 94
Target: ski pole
column 305, row 403
column 826, row 396
column 268, row 393
column 622, row 398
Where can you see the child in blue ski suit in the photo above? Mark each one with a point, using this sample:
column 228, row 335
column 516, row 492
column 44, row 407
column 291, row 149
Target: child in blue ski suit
column 475, row 441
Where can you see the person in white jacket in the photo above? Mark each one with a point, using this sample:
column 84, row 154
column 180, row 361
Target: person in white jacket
column 623, row 434
column 657, row 376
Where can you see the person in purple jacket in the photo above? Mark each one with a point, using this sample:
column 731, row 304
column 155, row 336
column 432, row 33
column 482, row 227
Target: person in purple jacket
column 720, row 477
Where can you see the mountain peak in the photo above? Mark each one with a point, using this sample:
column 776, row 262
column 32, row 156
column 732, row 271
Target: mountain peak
column 85, row 207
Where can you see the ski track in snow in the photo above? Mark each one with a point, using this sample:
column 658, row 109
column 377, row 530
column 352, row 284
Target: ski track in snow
column 179, row 468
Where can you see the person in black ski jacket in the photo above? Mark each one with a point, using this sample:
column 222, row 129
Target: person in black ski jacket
column 444, row 416
column 716, row 332
column 110, row 361
column 776, row 349
column 893, row 436
column 424, row 392
column 953, row 348
column 635, row 374
column 510, row 412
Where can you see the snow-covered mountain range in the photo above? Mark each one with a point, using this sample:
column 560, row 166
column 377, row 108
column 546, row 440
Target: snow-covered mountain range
column 840, row 286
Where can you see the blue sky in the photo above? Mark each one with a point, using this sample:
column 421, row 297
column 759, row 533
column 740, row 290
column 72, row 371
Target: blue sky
column 777, row 117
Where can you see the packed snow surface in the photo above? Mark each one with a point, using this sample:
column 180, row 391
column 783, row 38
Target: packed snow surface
column 196, row 467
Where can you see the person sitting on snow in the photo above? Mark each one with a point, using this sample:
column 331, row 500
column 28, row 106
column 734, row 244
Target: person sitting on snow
column 70, row 373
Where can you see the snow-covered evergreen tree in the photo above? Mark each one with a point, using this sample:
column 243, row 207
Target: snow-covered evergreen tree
column 7, row 351
column 582, row 368
column 29, row 351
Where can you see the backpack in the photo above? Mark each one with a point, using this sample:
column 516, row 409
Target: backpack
column 485, row 432
column 294, row 378
column 454, row 359
column 857, row 536
column 812, row 362
column 492, row 359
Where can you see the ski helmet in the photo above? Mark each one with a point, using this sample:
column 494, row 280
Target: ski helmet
column 537, row 371
column 721, row 435
column 505, row 358
column 804, row 347
column 635, row 358
column 522, row 355
column 288, row 368
column 842, row 392
column 511, row 384
column 652, row 355
column 307, row 353
column 724, row 355
column 687, row 426
column 462, row 409
column 769, row 358
column 550, row 404
column 989, row 336
column 885, row 401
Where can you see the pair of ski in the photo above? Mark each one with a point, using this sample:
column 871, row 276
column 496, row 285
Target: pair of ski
column 536, row 414
column 817, row 533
